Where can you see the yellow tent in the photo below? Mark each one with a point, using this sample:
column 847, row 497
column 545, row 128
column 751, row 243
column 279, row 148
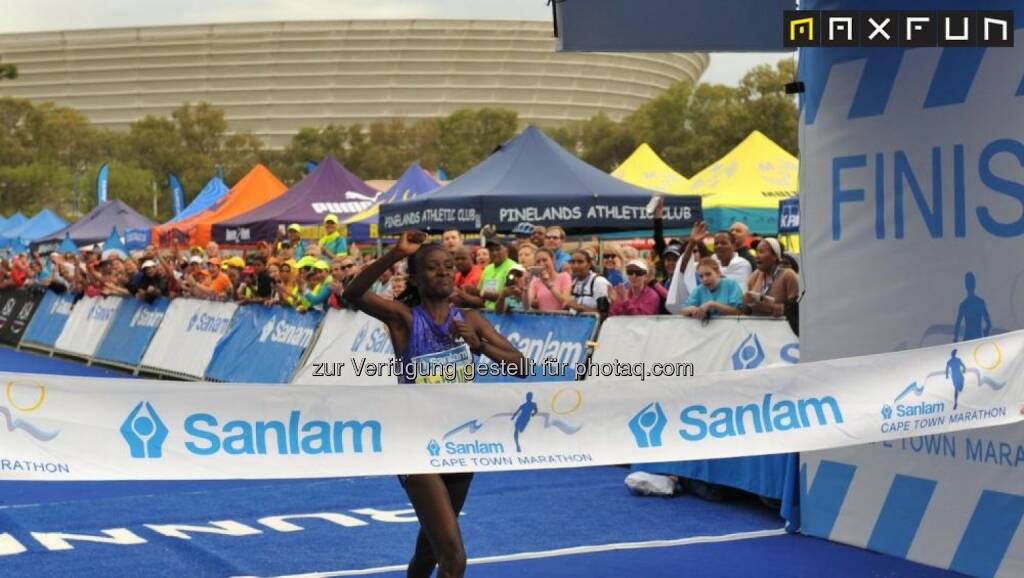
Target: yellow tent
column 746, row 185
column 644, row 168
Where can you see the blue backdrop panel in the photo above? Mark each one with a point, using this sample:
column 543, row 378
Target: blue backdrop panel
column 263, row 345
column 541, row 336
column 130, row 332
column 49, row 320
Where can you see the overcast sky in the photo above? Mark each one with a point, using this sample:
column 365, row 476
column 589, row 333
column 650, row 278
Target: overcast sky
column 36, row 15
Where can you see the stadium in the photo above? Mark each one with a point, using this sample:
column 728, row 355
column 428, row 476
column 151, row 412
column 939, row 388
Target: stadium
column 273, row 78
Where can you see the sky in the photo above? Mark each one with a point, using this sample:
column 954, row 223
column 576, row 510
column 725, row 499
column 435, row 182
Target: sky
column 39, row 15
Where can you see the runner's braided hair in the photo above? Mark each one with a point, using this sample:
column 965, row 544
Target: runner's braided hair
column 410, row 297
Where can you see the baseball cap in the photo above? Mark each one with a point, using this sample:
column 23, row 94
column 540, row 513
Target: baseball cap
column 523, row 229
column 332, row 218
column 306, row 261
column 235, row 262
column 639, row 264
column 517, row 267
column 674, row 249
column 196, row 259
column 320, row 265
column 297, row 228
column 149, row 263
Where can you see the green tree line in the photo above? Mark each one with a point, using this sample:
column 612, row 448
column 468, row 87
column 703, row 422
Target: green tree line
column 50, row 155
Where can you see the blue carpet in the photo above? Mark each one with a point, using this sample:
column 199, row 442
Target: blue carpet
column 33, row 362
column 773, row 557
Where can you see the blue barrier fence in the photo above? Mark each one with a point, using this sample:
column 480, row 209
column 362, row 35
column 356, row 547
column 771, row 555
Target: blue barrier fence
column 49, row 320
column 131, row 331
column 263, row 345
column 541, row 337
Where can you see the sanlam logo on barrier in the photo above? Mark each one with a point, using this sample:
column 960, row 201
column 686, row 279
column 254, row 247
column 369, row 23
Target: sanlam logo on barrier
column 699, row 421
column 145, row 434
column 101, row 313
column 145, row 317
column 285, row 333
column 547, row 347
column 208, row 323
column 61, row 307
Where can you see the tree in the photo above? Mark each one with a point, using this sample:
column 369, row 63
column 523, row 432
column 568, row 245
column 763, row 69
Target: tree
column 468, row 136
column 9, row 71
column 30, row 187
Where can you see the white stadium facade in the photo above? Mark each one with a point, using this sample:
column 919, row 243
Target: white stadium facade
column 273, row 78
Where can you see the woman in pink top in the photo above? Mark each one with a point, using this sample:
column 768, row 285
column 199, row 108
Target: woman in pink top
column 549, row 289
column 639, row 298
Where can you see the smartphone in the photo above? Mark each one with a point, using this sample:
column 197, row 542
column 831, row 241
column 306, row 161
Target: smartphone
column 536, row 271
column 653, row 204
column 281, row 230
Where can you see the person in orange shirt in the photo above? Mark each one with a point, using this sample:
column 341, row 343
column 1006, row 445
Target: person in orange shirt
column 217, row 286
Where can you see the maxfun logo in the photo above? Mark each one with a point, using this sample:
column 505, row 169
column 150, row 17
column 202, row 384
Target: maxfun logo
column 285, row 333
column 699, row 421
column 144, row 432
column 908, row 411
column 26, row 311
column 485, row 441
column 208, row 323
column 145, row 317
column 647, row 426
column 9, row 307
column 749, row 354
column 23, row 398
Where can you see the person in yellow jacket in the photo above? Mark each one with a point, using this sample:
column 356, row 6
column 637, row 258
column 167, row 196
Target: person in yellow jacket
column 333, row 243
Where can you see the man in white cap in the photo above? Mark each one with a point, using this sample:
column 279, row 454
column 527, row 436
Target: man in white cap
column 148, row 284
column 333, row 243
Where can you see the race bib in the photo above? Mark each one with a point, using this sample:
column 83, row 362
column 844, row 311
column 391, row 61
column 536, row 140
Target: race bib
column 450, row 366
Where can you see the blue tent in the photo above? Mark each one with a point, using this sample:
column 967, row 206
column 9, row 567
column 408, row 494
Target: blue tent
column 532, row 179
column 414, row 182
column 211, row 193
column 114, row 246
column 43, row 223
column 15, row 220
column 95, row 225
column 3, row 221
column 67, row 245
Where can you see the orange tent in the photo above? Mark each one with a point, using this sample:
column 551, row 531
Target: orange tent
column 258, row 186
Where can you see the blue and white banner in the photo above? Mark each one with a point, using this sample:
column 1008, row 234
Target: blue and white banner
column 101, row 184
column 912, row 239
column 129, row 334
column 263, row 345
column 664, row 342
column 137, row 238
column 49, row 320
column 554, row 345
column 189, row 332
column 352, row 349
column 789, row 215
column 177, row 194
column 87, row 324
column 67, row 428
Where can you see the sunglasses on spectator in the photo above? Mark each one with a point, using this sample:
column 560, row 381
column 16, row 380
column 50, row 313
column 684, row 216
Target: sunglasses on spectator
column 553, row 237
column 635, row 272
column 346, row 267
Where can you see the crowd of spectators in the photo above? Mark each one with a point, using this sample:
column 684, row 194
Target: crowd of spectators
column 706, row 274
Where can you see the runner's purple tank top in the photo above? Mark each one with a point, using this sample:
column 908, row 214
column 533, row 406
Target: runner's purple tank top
column 426, row 336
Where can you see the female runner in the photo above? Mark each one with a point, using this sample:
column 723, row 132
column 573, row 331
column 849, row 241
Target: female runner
column 423, row 322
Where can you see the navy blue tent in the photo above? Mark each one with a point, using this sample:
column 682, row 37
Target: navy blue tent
column 532, row 179
column 43, row 223
column 95, row 226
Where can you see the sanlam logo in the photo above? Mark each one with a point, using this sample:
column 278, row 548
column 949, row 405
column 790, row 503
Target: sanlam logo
column 144, row 317
column 771, row 415
column 61, row 307
column 547, row 347
column 208, row 323
column 285, row 333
